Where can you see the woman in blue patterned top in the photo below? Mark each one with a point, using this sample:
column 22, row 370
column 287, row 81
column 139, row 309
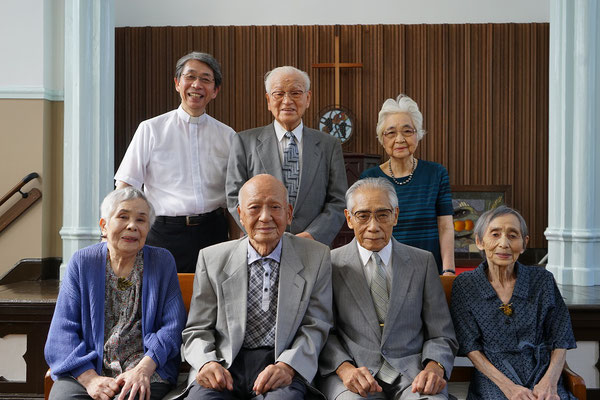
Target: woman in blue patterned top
column 510, row 319
column 423, row 188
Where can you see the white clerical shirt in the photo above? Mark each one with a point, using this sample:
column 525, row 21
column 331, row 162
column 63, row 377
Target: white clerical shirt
column 181, row 161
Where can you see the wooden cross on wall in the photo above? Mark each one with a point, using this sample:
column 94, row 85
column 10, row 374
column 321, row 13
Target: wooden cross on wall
column 337, row 65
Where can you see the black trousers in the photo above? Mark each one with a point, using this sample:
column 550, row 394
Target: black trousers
column 184, row 241
column 246, row 367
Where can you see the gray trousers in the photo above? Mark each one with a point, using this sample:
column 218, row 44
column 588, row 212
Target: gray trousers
column 246, row 367
column 67, row 388
column 401, row 389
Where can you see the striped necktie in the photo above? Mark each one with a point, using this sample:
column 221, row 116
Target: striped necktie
column 381, row 300
column 291, row 167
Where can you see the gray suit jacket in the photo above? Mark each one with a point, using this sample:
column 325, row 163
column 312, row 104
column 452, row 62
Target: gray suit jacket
column 418, row 326
column 319, row 208
column 216, row 323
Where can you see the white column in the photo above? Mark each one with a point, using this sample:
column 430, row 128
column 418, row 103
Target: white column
column 573, row 231
column 89, row 119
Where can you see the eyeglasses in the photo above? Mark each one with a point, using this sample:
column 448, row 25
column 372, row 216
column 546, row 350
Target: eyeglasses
column 405, row 131
column 381, row 216
column 294, row 94
column 205, row 80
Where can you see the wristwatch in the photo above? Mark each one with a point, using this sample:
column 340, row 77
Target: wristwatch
column 448, row 270
column 441, row 366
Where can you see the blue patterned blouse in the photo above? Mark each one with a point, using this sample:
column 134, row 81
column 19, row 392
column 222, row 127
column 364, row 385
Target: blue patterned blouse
column 426, row 197
column 519, row 345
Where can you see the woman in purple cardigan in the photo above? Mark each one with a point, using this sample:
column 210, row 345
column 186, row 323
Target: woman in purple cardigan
column 116, row 329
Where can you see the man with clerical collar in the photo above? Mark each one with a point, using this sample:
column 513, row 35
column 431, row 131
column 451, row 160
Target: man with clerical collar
column 307, row 161
column 393, row 337
column 261, row 306
column 180, row 159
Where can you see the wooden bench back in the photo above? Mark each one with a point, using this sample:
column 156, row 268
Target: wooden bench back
column 186, row 283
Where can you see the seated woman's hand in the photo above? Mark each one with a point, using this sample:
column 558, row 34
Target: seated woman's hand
column 516, row 392
column 544, row 390
column 137, row 380
column 98, row 387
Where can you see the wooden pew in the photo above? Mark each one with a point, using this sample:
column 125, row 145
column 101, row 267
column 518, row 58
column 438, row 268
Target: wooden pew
column 574, row 382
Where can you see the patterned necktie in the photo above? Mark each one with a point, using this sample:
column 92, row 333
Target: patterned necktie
column 291, row 167
column 381, row 299
column 379, row 289
column 261, row 316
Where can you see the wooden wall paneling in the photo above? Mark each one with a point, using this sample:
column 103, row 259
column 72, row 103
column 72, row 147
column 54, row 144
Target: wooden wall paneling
column 381, row 58
column 482, row 88
column 485, row 103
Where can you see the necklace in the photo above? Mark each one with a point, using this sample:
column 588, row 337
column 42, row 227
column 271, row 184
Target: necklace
column 507, row 309
column 123, row 283
column 408, row 178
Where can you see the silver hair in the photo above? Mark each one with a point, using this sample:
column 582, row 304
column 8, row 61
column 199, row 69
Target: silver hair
column 371, row 183
column 286, row 69
column 117, row 196
column 202, row 57
column 487, row 217
column 402, row 104
column 287, row 196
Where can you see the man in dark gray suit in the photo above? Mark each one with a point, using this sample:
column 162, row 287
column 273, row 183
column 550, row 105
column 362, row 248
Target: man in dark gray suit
column 307, row 161
column 393, row 337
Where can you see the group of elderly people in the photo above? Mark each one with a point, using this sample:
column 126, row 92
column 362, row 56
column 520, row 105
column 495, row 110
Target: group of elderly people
column 275, row 314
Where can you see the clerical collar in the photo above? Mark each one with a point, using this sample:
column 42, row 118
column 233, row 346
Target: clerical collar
column 384, row 253
column 280, row 131
column 188, row 118
column 253, row 255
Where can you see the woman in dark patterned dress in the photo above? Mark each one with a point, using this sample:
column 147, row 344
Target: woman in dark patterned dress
column 116, row 329
column 510, row 319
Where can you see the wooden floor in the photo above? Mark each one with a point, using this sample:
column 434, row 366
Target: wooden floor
column 580, row 296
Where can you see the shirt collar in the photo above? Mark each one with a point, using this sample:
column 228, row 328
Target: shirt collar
column 188, row 118
column 253, row 255
column 280, row 131
column 384, row 253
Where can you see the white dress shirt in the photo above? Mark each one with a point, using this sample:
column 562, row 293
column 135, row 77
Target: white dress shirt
column 370, row 265
column 181, row 161
column 283, row 142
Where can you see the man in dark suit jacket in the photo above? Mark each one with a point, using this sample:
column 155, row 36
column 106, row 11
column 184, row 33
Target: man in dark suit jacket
column 393, row 337
column 318, row 199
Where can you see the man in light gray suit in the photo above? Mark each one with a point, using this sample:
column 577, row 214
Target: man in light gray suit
column 307, row 161
column 393, row 337
column 261, row 307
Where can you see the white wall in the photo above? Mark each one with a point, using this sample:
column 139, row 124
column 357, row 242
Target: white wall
column 21, row 43
column 31, row 47
column 326, row 12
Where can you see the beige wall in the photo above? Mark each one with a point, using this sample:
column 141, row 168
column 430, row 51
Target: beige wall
column 31, row 141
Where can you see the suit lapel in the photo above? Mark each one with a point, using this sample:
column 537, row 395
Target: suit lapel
column 352, row 273
column 291, row 286
column 235, row 293
column 402, row 272
column 268, row 152
column 311, row 154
